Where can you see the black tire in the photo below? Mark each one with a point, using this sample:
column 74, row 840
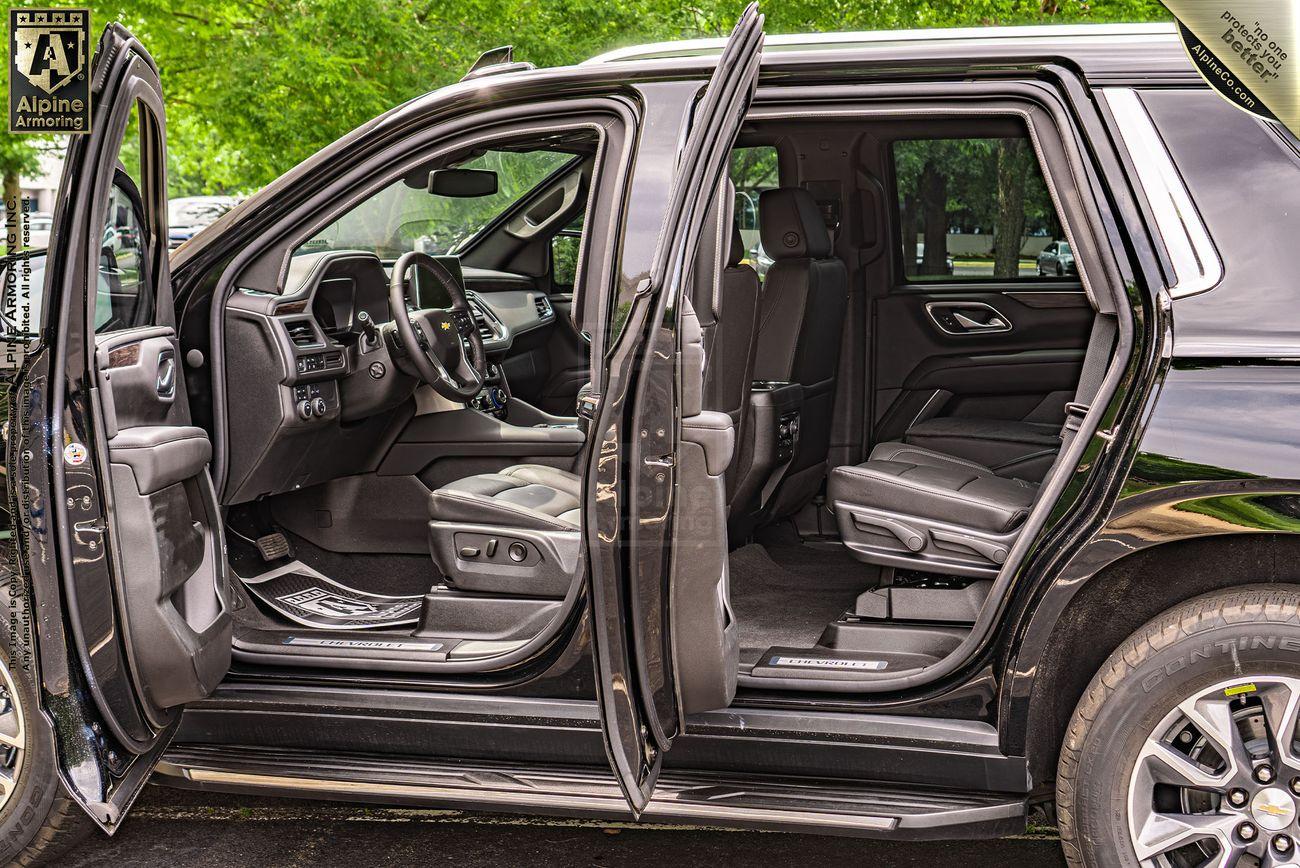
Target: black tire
column 1146, row 677
column 39, row 822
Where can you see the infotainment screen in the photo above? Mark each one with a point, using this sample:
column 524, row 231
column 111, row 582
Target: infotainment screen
column 429, row 291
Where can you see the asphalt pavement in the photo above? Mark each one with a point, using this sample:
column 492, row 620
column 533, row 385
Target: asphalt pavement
column 171, row 828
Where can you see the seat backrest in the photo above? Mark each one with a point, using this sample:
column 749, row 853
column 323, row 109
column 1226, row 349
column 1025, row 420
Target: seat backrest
column 801, row 324
column 804, row 293
column 724, row 295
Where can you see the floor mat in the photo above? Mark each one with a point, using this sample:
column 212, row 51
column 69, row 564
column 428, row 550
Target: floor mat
column 306, row 597
column 790, row 602
column 392, row 575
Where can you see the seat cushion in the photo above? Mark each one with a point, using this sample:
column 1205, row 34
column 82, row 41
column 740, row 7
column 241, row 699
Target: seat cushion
column 1009, row 447
column 525, row 495
column 915, row 481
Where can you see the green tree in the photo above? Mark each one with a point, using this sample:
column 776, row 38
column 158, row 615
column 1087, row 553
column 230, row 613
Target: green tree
column 19, row 156
column 255, row 86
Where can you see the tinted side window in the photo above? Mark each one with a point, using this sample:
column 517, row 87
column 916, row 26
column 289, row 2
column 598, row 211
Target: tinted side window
column 124, row 289
column 565, row 247
column 974, row 209
column 753, row 170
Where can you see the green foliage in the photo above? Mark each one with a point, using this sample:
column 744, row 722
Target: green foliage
column 255, row 86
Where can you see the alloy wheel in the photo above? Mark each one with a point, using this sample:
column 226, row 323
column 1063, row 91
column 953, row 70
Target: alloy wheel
column 13, row 736
column 1217, row 781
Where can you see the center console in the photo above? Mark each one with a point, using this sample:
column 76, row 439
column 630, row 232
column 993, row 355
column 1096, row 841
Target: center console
column 495, row 400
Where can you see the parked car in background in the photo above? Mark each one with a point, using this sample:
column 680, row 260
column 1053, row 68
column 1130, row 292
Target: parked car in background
column 38, row 229
column 1056, row 259
column 920, row 258
column 186, row 216
column 319, row 505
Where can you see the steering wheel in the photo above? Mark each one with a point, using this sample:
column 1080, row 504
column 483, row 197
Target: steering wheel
column 442, row 344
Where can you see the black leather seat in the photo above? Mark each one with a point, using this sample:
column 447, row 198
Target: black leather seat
column 801, row 323
column 911, row 506
column 513, row 532
column 925, row 509
column 1009, row 447
column 525, row 495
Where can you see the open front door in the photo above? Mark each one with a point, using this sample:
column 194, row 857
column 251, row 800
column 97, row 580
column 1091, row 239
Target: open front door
column 118, row 522
column 631, row 488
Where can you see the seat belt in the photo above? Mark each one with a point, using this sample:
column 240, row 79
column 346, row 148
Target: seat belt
column 1096, row 359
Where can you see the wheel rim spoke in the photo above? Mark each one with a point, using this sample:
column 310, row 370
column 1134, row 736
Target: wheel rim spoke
column 1162, row 833
column 1281, row 706
column 11, row 728
column 1213, row 717
column 1168, row 766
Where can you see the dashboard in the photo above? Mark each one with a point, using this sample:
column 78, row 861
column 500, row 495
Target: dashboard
column 314, row 386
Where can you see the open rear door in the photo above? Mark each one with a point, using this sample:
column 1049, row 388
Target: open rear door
column 119, row 526
column 631, row 481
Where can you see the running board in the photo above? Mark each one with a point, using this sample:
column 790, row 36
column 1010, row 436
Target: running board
column 789, row 804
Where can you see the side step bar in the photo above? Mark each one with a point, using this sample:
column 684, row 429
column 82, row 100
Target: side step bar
column 774, row 803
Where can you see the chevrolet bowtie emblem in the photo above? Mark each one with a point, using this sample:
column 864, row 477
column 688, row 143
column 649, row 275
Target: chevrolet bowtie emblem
column 446, row 326
column 1275, row 810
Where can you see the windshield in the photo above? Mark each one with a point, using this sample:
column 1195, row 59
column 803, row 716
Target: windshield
column 1064, row 248
column 404, row 216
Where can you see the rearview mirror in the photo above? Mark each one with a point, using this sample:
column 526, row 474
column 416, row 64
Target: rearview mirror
column 462, row 183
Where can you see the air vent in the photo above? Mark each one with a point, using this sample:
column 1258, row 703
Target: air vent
column 301, row 333
column 544, row 310
column 485, row 330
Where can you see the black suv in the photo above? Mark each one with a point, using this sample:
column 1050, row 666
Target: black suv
column 689, row 433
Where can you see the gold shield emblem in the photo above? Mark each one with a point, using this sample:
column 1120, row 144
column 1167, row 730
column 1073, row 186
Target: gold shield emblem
column 49, row 48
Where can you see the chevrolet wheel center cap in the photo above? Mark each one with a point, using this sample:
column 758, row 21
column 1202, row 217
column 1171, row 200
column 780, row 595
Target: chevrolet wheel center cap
column 1273, row 809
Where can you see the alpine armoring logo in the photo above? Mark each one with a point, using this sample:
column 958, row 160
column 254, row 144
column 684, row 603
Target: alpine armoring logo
column 49, row 64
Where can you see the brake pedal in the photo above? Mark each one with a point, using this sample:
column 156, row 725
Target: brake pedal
column 274, row 546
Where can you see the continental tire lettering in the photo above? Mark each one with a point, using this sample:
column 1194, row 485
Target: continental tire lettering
column 1217, row 649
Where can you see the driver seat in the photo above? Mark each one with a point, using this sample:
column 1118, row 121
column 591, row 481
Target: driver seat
column 514, row 531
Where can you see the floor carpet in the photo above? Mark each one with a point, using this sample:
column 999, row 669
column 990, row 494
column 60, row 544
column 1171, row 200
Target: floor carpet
column 786, row 595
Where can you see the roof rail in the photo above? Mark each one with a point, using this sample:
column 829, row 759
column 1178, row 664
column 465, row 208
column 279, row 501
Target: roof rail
column 1066, row 33
column 496, row 61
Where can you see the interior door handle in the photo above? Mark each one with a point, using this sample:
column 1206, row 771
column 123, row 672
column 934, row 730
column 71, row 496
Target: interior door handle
column 994, row 323
column 967, row 317
column 166, row 382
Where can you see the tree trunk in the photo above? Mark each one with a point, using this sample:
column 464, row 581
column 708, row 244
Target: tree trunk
column 934, row 215
column 13, row 193
column 1009, row 228
column 909, row 230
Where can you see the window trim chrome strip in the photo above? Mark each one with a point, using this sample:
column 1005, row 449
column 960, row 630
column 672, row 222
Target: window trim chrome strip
column 1196, row 263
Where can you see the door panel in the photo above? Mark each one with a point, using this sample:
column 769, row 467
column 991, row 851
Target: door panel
column 632, row 481
column 165, row 521
column 570, row 368
column 930, row 364
column 141, row 576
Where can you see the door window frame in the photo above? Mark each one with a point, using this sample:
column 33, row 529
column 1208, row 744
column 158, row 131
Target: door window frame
column 264, row 262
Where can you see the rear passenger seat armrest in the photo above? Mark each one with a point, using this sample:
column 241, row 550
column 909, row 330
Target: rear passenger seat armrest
column 715, row 434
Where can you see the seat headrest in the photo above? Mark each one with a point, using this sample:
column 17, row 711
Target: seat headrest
column 791, row 226
column 736, row 252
